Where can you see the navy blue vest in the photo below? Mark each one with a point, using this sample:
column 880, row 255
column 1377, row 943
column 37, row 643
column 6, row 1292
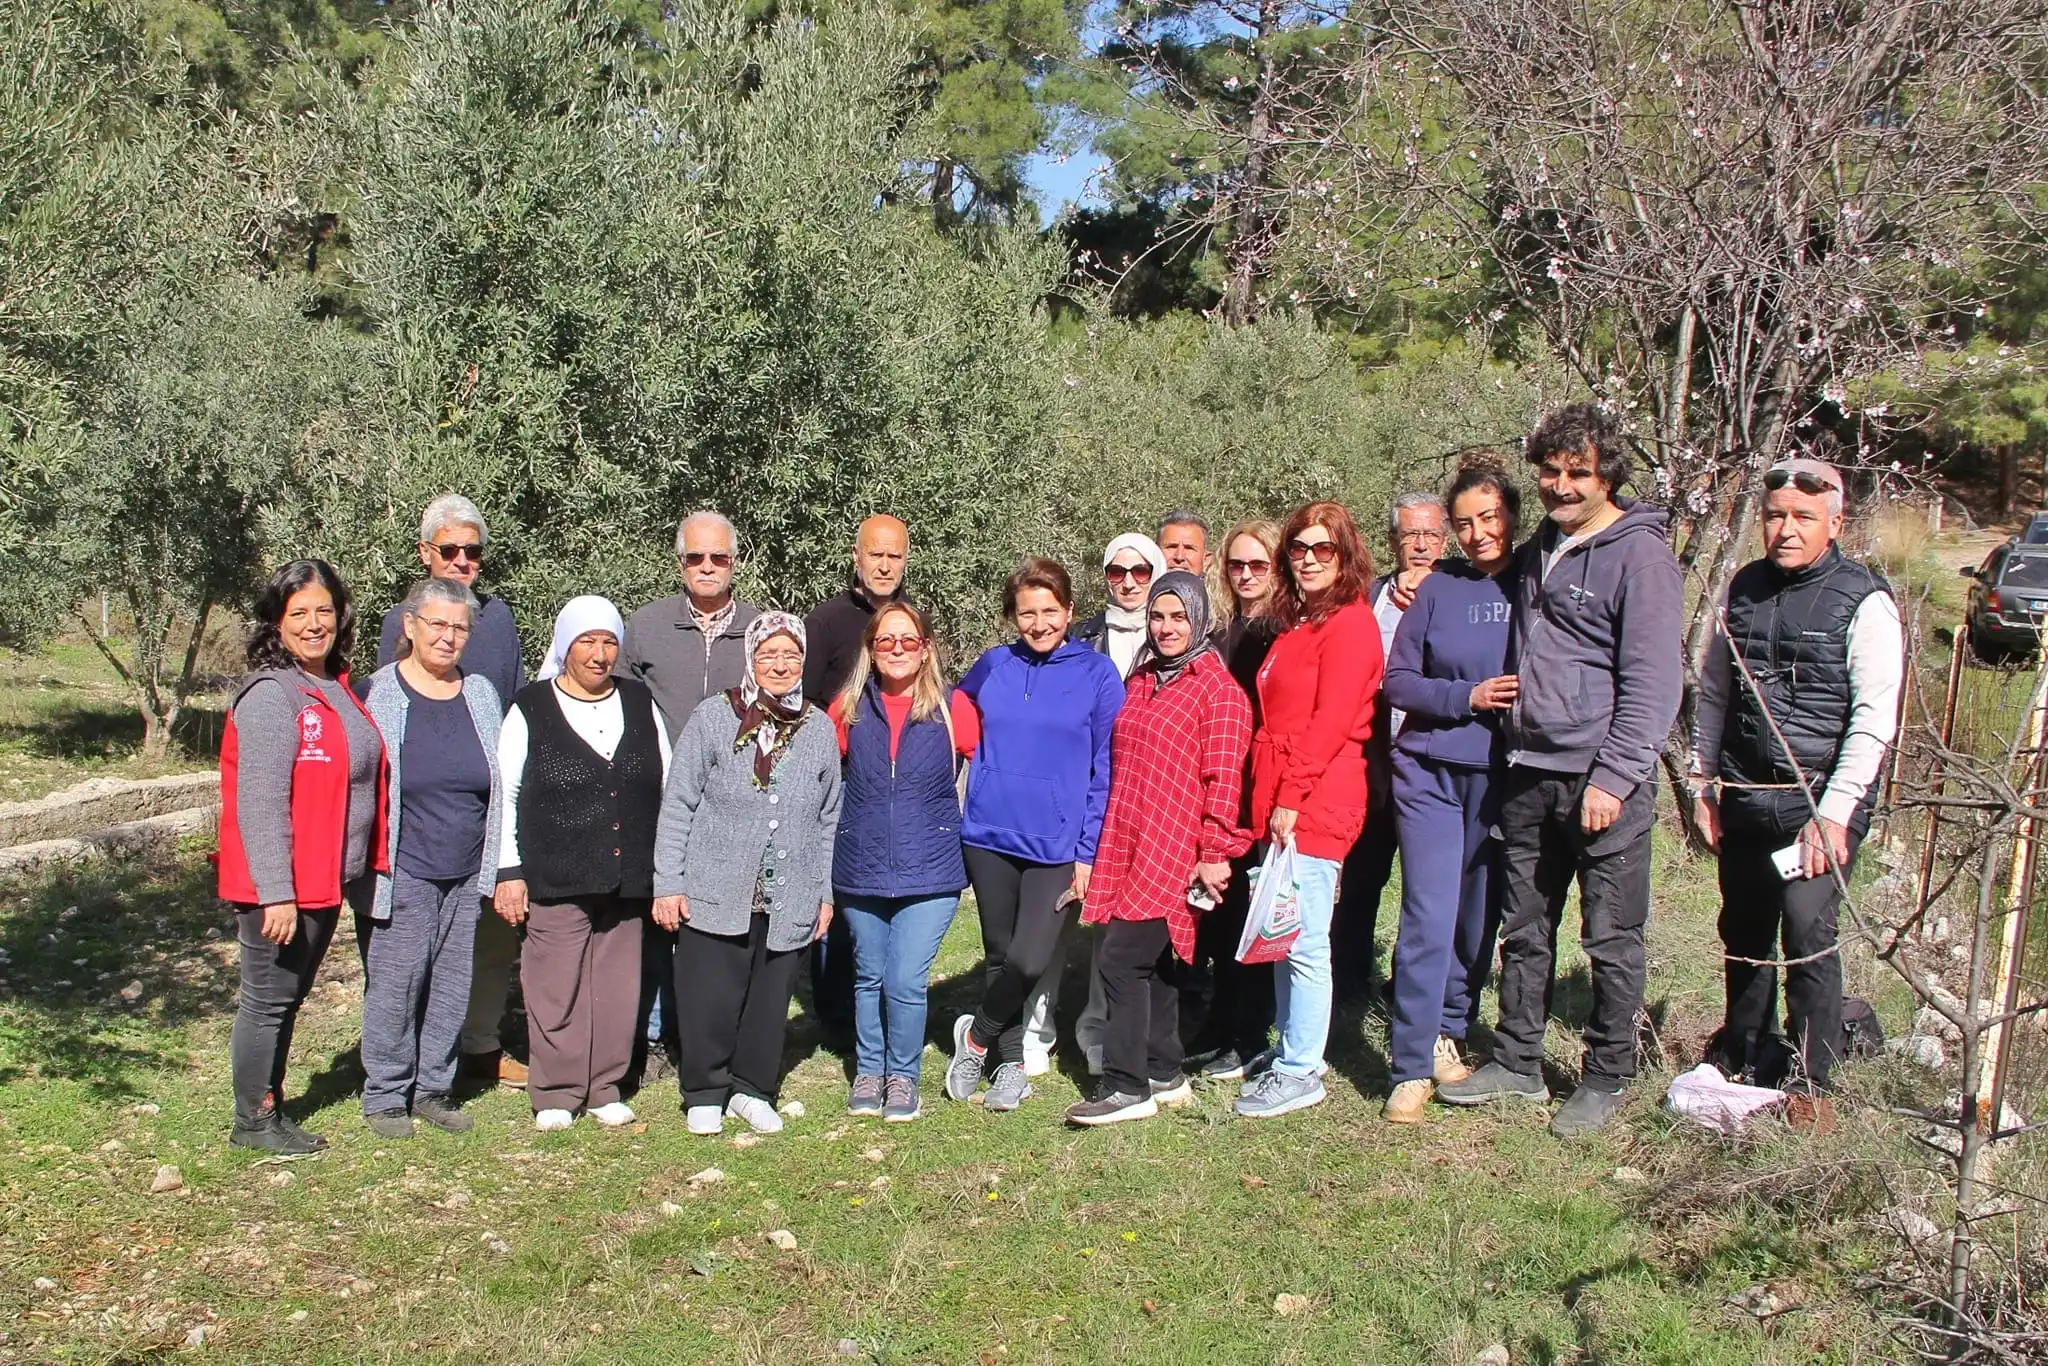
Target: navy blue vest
column 899, row 824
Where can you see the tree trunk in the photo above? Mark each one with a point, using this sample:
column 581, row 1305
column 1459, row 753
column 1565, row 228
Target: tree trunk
column 1250, row 225
column 2008, row 479
column 944, row 176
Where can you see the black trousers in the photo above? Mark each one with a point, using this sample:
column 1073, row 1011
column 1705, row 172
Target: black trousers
column 1023, row 924
column 1240, row 1007
column 732, row 1012
column 1543, row 851
column 276, row 979
column 1760, row 912
column 1354, row 924
column 832, row 978
column 1141, row 1038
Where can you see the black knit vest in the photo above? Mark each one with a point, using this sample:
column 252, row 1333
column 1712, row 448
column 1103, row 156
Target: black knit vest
column 586, row 827
column 1792, row 631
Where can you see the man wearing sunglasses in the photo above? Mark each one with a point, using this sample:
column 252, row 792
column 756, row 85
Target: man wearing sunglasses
column 452, row 546
column 1809, row 642
column 685, row 648
column 1599, row 609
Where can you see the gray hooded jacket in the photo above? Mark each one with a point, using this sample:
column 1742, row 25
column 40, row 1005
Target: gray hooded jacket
column 1597, row 644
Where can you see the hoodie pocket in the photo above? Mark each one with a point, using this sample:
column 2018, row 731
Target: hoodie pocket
column 1554, row 699
column 1020, row 804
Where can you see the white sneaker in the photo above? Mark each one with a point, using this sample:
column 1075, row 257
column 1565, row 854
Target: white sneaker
column 1037, row 1064
column 548, row 1121
column 705, row 1120
column 758, row 1113
column 614, row 1114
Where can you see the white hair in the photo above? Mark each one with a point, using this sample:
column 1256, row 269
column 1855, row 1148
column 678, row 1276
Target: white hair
column 452, row 509
column 717, row 519
column 1411, row 500
column 429, row 590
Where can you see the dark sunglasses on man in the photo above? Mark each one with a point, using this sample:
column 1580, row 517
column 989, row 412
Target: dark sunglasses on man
column 1811, row 477
column 1137, row 573
column 473, row 553
column 720, row 558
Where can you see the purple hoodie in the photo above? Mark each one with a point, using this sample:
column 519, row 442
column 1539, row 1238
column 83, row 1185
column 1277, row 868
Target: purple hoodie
column 1598, row 647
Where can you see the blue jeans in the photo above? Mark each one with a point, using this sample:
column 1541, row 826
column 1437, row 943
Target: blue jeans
column 1301, row 985
column 895, row 942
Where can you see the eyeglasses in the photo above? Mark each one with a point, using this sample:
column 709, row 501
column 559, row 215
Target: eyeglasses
column 791, row 657
column 721, row 559
column 1258, row 569
column 1422, row 534
column 1322, row 552
column 1136, row 573
column 458, row 629
column 1804, row 480
column 898, row 645
column 473, row 553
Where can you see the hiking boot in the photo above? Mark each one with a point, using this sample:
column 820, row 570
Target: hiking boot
column 900, row 1104
column 443, row 1113
column 963, row 1074
column 1112, row 1107
column 1587, row 1112
column 1174, row 1091
column 705, row 1121
column 1225, row 1065
column 1008, row 1089
column 390, row 1124
column 759, row 1115
column 1409, row 1102
column 1446, row 1064
column 497, row 1066
column 267, row 1133
column 866, row 1098
column 1275, row 1092
column 1490, row 1083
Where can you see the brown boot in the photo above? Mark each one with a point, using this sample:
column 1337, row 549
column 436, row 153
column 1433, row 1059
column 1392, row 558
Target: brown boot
column 511, row 1072
column 495, row 1066
column 1409, row 1102
column 1448, row 1066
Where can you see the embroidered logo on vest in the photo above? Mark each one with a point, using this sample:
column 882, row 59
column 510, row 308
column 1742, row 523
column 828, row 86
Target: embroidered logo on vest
column 310, row 731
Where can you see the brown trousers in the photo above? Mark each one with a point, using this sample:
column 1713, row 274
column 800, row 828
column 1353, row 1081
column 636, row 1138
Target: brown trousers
column 580, row 974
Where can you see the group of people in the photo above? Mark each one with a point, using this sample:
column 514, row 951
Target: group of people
column 685, row 809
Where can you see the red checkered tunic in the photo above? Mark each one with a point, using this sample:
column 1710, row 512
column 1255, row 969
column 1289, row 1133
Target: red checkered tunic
column 1176, row 776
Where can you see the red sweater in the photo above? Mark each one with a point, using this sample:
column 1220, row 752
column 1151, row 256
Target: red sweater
column 966, row 722
column 1176, row 780
column 1318, row 692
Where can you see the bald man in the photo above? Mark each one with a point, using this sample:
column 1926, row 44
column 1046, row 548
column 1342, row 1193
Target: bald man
column 880, row 549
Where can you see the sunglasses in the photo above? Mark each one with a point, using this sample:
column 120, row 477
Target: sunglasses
column 473, row 553
column 1136, row 573
column 721, row 559
column 1322, row 552
column 1256, row 568
column 1803, row 480
column 898, row 645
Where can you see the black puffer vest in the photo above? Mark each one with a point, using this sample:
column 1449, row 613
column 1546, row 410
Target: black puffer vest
column 1791, row 631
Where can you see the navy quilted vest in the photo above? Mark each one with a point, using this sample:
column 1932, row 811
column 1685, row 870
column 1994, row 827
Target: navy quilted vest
column 899, row 824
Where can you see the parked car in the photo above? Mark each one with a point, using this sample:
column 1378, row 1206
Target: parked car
column 2008, row 601
column 2036, row 532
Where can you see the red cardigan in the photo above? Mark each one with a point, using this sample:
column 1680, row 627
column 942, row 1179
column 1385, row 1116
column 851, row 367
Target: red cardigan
column 1318, row 694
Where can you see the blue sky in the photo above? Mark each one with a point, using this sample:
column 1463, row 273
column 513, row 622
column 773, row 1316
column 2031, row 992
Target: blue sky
column 1058, row 184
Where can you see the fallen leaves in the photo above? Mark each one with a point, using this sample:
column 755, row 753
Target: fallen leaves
column 1290, row 1306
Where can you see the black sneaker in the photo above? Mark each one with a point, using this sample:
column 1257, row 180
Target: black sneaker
column 1587, row 1112
column 291, row 1127
column 1490, row 1083
column 1227, row 1065
column 443, row 1113
column 267, row 1134
column 1173, row 1091
column 390, row 1124
column 1111, row 1107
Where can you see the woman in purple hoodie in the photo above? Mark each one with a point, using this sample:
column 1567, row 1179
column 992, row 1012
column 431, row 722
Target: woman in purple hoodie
column 1446, row 674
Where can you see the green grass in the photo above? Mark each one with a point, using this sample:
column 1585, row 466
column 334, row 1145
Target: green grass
column 962, row 1238
column 65, row 716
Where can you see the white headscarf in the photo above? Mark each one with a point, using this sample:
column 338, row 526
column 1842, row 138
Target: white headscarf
column 579, row 615
column 1126, row 625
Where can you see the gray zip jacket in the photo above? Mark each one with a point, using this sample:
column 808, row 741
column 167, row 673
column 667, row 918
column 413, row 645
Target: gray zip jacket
column 665, row 649
column 1597, row 645
column 387, row 704
column 719, row 832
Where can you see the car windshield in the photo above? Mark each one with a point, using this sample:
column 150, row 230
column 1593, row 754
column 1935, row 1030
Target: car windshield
column 2036, row 532
column 2025, row 571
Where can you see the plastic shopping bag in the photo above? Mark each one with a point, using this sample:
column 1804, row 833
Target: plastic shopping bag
column 1274, row 921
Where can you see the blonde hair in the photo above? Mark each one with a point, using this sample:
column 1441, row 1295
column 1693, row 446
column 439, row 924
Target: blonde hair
column 927, row 690
column 1267, row 533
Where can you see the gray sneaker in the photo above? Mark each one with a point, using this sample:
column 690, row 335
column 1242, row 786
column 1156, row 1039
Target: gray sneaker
column 963, row 1074
column 442, row 1112
column 1277, row 1093
column 1008, row 1089
column 902, row 1104
column 867, row 1096
column 1490, row 1083
column 390, row 1124
column 1587, row 1112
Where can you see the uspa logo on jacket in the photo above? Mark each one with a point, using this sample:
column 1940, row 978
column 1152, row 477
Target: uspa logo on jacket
column 310, row 731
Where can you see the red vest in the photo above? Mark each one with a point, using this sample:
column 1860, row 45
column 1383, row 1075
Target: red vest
column 319, row 807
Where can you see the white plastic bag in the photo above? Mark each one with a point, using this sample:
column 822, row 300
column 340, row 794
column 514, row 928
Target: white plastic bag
column 1274, row 921
column 1706, row 1097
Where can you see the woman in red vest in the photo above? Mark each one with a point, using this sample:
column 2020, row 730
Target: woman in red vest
column 302, row 779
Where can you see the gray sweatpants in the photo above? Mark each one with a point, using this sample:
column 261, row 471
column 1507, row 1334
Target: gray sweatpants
column 418, row 991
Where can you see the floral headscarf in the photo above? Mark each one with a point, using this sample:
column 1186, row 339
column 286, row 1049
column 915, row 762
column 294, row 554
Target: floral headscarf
column 767, row 722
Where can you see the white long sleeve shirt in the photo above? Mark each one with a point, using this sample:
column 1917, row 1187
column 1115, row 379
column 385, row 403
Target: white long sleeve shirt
column 600, row 724
column 1877, row 667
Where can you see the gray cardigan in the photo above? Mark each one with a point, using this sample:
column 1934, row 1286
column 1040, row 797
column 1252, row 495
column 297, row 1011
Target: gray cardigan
column 718, row 830
column 387, row 705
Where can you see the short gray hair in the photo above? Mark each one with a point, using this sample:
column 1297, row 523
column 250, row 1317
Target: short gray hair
column 1406, row 501
column 452, row 509
column 1184, row 517
column 718, row 519
column 439, row 590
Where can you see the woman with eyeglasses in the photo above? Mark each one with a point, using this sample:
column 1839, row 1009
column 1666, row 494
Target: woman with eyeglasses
column 1240, row 1007
column 1317, row 693
column 897, row 870
column 441, row 724
column 1446, row 674
column 303, row 792
column 1129, row 565
column 743, row 874
column 1035, row 803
